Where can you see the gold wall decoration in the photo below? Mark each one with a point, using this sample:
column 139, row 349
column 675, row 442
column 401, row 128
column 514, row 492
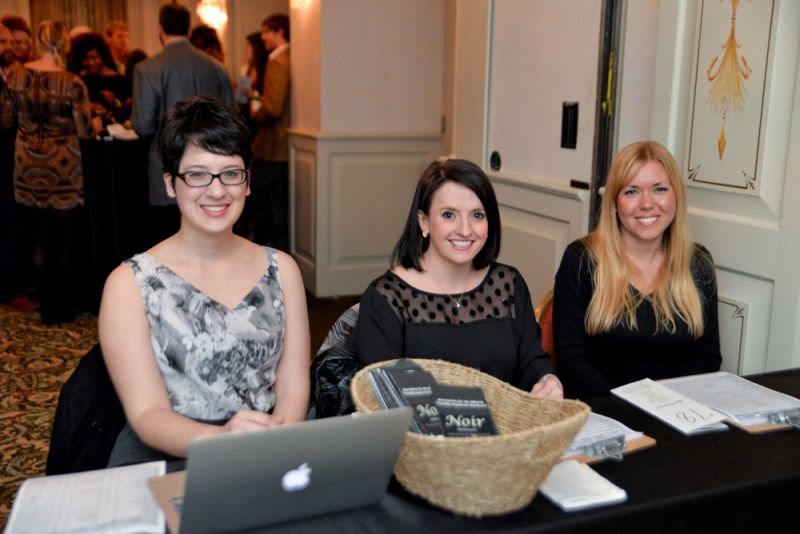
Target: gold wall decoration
column 727, row 82
column 731, row 67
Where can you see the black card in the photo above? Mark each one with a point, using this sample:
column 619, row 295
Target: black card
column 464, row 412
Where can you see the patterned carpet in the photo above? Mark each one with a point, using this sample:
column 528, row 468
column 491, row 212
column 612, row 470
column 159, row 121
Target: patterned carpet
column 35, row 361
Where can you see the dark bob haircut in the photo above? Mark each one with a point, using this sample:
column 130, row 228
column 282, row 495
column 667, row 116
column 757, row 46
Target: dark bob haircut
column 208, row 123
column 411, row 246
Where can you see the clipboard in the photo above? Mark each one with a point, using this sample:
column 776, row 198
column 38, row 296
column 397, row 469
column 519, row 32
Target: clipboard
column 167, row 489
column 759, row 428
column 631, row 446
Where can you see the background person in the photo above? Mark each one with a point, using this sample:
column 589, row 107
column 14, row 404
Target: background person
column 109, row 92
column 15, row 242
column 52, row 109
column 445, row 295
column 267, row 214
column 251, row 77
column 206, row 332
column 21, row 32
column 137, row 55
column 118, row 39
column 205, row 38
column 636, row 298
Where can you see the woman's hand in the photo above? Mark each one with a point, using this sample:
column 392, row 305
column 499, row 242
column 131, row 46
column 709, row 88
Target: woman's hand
column 250, row 420
column 548, row 387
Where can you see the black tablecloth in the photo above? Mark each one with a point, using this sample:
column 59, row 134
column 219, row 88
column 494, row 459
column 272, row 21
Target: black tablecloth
column 115, row 185
column 723, row 482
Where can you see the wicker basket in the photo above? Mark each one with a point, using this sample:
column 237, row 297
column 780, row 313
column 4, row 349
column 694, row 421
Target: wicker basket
column 489, row 475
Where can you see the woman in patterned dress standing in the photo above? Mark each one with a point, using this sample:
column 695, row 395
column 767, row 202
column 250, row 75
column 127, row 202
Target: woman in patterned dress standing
column 52, row 108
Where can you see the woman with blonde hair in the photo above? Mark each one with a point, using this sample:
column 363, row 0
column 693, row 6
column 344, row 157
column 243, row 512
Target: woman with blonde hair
column 637, row 297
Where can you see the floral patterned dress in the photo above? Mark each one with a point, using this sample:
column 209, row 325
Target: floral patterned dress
column 215, row 360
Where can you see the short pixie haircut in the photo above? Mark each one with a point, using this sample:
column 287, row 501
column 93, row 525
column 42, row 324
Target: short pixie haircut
column 207, row 123
column 411, row 245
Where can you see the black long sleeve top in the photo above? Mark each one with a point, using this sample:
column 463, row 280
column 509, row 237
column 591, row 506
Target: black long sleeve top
column 590, row 366
column 493, row 329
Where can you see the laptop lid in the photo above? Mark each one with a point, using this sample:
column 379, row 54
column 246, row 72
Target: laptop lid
column 247, row 480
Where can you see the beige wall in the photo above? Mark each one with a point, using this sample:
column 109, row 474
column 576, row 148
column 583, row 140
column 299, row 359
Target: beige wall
column 306, row 65
column 381, row 65
column 18, row 7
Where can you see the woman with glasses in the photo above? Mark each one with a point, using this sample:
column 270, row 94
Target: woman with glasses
column 206, row 332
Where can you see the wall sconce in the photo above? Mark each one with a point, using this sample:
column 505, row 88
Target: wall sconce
column 212, row 12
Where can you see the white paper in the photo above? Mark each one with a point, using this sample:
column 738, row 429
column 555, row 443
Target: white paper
column 574, row 486
column 599, row 428
column 740, row 399
column 107, row 500
column 679, row 412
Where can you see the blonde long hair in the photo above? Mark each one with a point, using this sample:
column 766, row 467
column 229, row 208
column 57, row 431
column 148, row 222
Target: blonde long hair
column 675, row 296
column 54, row 37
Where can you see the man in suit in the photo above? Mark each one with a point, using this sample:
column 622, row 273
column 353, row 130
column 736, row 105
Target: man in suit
column 268, row 206
column 177, row 72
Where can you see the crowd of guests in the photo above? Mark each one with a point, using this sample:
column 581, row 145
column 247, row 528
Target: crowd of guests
column 61, row 86
column 207, row 331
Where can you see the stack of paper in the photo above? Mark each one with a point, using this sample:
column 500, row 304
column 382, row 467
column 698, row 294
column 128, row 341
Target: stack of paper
column 679, row 412
column 574, row 486
column 108, row 500
column 698, row 403
column 740, row 400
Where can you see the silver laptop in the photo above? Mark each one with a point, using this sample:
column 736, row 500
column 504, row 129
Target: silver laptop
column 247, row 480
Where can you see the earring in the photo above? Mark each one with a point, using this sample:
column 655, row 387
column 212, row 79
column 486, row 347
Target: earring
column 424, row 234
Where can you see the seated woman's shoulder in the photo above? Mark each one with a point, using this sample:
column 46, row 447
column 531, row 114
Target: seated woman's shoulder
column 121, row 284
column 576, row 251
column 702, row 253
column 702, row 262
column 286, row 264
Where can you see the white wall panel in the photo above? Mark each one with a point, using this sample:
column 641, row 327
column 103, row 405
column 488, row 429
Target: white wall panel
column 356, row 205
column 370, row 199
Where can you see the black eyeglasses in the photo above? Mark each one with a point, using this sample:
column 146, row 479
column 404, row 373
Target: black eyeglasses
column 204, row 179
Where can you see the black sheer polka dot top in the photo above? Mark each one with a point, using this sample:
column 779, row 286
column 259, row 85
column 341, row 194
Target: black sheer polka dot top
column 493, row 298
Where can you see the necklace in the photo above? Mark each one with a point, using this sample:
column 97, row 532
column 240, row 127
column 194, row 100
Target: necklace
column 458, row 302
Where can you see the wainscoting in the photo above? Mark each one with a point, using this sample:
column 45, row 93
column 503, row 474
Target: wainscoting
column 540, row 218
column 350, row 195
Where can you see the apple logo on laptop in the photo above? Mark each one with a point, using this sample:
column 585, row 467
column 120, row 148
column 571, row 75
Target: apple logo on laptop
column 297, row 479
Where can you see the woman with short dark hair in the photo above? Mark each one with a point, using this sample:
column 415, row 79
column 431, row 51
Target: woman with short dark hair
column 206, row 332
column 446, row 296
